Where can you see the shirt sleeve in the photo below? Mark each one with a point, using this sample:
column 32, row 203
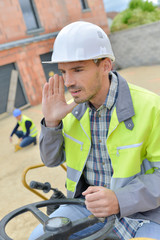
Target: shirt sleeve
column 51, row 143
column 15, row 129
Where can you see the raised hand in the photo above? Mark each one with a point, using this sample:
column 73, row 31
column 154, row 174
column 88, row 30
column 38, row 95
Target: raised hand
column 102, row 202
column 54, row 105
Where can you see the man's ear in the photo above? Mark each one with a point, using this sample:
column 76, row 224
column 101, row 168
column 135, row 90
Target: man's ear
column 107, row 65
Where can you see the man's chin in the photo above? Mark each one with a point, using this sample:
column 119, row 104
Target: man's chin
column 77, row 100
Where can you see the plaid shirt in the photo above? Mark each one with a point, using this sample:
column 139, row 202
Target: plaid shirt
column 98, row 170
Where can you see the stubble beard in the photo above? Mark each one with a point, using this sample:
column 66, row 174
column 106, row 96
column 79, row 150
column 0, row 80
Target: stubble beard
column 87, row 99
column 92, row 95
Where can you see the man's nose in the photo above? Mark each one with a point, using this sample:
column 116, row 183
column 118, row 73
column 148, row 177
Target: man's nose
column 69, row 80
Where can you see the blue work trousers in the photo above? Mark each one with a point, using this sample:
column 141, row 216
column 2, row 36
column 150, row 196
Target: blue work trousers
column 25, row 141
column 75, row 212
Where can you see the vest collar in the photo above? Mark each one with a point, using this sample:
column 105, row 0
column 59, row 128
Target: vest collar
column 124, row 104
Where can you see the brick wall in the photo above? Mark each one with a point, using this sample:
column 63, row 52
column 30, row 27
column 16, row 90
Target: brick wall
column 53, row 15
column 29, row 65
column 12, row 25
column 138, row 46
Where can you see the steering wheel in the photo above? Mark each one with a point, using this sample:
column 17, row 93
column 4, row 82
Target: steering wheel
column 57, row 228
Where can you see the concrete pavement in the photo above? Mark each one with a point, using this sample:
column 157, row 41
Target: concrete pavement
column 147, row 77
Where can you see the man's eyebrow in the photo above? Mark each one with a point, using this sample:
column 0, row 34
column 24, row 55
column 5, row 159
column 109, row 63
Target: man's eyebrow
column 77, row 67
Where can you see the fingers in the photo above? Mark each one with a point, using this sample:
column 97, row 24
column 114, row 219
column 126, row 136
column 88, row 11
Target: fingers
column 91, row 193
column 45, row 90
column 91, row 189
column 99, row 212
column 55, row 85
column 51, row 86
column 58, row 84
column 102, row 202
column 61, row 85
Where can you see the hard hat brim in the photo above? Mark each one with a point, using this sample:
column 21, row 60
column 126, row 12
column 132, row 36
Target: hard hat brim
column 77, row 60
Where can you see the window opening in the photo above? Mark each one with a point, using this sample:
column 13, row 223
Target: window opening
column 84, row 4
column 28, row 10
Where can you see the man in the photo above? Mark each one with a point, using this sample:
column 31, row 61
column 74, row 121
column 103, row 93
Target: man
column 109, row 137
column 28, row 133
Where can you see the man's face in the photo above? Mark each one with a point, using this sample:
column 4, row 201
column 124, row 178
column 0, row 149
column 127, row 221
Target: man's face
column 18, row 118
column 84, row 80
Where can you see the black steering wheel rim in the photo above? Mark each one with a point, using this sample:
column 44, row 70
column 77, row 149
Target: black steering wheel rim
column 34, row 209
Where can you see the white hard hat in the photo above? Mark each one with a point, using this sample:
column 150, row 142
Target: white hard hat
column 81, row 41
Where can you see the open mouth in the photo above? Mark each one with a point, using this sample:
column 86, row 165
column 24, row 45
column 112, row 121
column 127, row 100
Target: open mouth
column 74, row 93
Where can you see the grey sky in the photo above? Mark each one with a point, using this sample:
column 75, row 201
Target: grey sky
column 115, row 5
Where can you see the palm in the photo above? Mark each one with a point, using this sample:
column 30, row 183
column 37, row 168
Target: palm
column 54, row 105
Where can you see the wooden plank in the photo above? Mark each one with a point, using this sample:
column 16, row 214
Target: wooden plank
column 12, row 91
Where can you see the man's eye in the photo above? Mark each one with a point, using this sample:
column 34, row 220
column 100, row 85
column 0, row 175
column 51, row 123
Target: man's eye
column 78, row 70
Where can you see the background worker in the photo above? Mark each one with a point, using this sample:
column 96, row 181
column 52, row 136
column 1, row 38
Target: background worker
column 109, row 137
column 28, row 133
